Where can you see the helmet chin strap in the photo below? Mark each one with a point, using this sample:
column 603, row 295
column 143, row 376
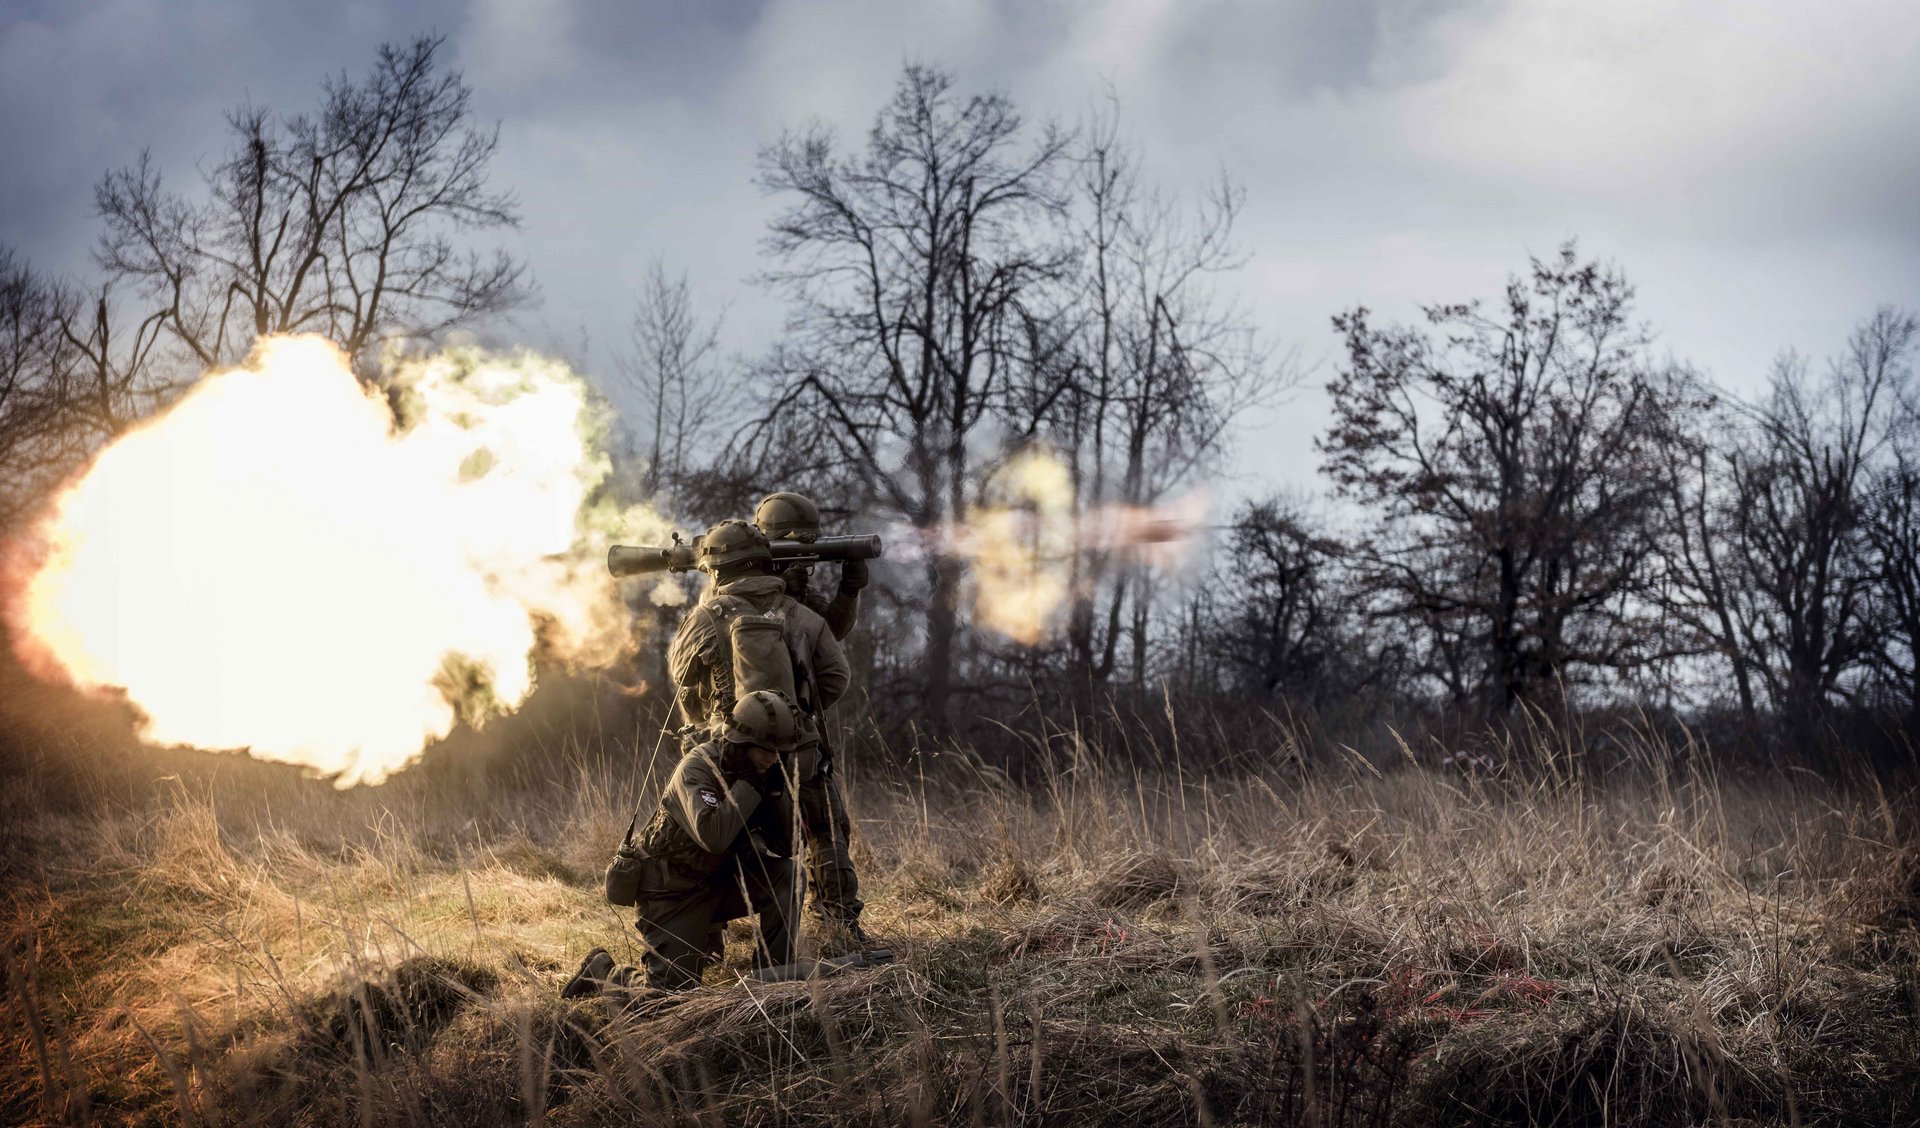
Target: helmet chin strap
column 727, row 573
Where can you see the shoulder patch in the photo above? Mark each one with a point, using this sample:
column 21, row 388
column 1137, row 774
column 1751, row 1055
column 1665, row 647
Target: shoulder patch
column 709, row 798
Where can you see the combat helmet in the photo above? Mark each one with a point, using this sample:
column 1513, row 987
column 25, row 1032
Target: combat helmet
column 764, row 718
column 731, row 542
column 789, row 515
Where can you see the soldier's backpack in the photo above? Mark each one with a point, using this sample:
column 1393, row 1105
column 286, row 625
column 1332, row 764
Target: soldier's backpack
column 762, row 657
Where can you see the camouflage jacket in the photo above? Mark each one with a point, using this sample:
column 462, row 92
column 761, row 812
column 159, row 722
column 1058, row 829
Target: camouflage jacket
column 700, row 660
column 701, row 820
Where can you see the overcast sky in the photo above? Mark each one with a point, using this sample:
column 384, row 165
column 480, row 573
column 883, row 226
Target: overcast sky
column 1754, row 167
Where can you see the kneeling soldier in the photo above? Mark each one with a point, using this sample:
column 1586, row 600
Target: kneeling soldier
column 719, row 846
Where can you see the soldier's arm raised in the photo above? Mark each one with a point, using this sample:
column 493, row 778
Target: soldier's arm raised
column 845, row 608
column 706, row 806
column 840, row 612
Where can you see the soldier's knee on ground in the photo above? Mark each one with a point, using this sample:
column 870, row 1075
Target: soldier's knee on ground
column 774, row 899
column 673, row 974
column 676, row 934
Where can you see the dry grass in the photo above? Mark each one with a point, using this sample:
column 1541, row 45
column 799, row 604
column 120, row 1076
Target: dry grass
column 1105, row 947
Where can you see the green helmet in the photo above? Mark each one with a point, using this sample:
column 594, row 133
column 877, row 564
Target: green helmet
column 788, row 515
column 764, row 718
column 730, row 542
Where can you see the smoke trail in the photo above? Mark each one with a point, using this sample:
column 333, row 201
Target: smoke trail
column 1025, row 538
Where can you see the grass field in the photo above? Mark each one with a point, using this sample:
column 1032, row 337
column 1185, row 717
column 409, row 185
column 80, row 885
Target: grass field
column 217, row 942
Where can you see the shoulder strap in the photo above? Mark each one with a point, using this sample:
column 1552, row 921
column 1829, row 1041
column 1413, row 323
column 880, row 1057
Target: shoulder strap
column 721, row 609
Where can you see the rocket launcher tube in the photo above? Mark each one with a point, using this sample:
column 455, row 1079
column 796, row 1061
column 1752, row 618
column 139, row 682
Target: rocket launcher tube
column 636, row 560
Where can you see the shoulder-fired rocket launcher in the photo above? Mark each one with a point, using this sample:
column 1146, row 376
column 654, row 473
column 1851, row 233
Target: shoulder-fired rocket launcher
column 680, row 556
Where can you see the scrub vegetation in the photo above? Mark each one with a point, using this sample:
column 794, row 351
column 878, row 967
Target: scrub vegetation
column 1608, row 929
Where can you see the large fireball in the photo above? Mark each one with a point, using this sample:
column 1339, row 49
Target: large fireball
column 280, row 564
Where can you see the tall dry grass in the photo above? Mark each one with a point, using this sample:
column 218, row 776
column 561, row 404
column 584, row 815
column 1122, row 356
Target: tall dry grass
column 1576, row 939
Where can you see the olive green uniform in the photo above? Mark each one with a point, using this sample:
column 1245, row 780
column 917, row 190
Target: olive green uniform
column 700, row 664
column 699, row 660
column 716, row 848
column 823, row 807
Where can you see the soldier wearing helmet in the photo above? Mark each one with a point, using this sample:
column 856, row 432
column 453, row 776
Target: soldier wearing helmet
column 792, row 516
column 718, row 846
column 834, row 884
column 701, row 659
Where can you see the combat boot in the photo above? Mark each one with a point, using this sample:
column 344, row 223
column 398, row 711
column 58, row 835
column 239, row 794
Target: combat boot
column 841, row 935
column 591, row 977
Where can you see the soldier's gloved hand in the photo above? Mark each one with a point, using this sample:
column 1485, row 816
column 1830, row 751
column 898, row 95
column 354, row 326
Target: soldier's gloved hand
column 736, row 764
column 772, row 782
column 853, row 575
column 796, row 577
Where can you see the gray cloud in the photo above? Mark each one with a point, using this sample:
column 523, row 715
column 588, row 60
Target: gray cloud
column 1752, row 169
column 86, row 86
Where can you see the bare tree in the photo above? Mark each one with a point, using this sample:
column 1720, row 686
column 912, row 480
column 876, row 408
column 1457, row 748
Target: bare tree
column 909, row 264
column 1799, row 481
column 119, row 380
column 1162, row 369
column 1892, row 524
column 1281, row 626
column 672, row 370
column 1512, row 466
column 1893, row 529
column 338, row 223
column 36, row 387
column 1703, row 584
column 67, row 382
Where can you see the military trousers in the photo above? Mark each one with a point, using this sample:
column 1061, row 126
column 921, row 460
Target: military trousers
column 833, row 885
column 680, row 926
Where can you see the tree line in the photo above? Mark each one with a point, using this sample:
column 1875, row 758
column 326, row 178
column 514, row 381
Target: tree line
column 1523, row 505
column 1548, row 511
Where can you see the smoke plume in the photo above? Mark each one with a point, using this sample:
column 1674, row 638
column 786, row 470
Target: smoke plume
column 289, row 562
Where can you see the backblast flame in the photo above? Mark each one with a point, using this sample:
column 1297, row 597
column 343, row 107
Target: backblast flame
column 291, row 563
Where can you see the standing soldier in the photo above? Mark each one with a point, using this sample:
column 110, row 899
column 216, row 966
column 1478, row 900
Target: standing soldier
column 823, row 806
column 718, row 846
column 746, row 633
column 791, row 516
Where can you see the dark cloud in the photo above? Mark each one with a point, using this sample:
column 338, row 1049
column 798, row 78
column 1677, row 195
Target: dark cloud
column 1752, row 169
column 1303, row 46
